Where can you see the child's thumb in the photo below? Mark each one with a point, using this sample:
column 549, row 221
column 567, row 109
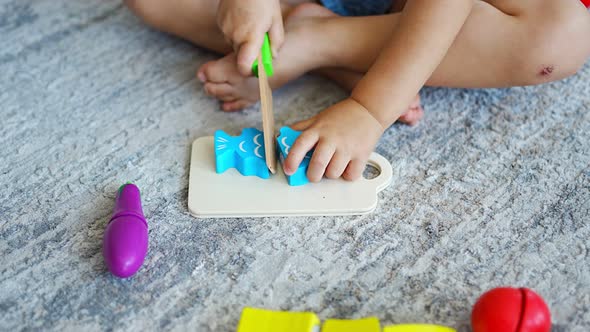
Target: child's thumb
column 248, row 53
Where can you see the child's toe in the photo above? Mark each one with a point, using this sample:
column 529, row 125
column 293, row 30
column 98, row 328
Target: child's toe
column 212, row 72
column 201, row 75
column 221, row 91
column 412, row 116
column 236, row 105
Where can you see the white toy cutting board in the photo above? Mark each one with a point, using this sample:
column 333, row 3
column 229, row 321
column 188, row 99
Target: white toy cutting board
column 230, row 194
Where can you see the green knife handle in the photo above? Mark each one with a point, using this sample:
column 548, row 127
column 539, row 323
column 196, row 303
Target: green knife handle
column 266, row 58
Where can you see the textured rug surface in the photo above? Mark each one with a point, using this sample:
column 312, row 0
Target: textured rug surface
column 492, row 188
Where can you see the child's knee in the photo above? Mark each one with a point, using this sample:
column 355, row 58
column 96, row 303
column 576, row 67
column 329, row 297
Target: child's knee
column 557, row 44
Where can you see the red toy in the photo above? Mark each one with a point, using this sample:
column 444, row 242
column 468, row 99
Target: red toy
column 507, row 309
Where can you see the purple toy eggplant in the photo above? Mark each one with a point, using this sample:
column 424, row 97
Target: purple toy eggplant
column 125, row 240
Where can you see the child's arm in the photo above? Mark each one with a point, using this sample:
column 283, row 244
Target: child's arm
column 426, row 29
column 345, row 134
column 244, row 23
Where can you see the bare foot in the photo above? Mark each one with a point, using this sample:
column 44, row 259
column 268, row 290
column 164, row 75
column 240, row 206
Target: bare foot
column 222, row 80
column 414, row 113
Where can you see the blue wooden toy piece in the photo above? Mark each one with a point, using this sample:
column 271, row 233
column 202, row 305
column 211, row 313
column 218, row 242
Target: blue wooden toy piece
column 244, row 152
column 284, row 142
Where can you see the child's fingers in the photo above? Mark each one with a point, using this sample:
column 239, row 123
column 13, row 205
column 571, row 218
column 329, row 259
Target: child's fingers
column 319, row 161
column 248, row 52
column 302, row 125
column 337, row 165
column 354, row 170
column 276, row 34
column 305, row 142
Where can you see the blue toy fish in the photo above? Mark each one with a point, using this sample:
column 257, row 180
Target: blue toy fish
column 285, row 141
column 244, row 152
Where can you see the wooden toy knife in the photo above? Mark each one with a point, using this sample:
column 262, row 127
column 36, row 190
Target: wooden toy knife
column 264, row 61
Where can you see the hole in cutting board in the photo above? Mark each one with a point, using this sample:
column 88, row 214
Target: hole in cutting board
column 371, row 172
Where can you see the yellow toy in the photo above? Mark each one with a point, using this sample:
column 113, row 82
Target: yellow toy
column 261, row 320
column 417, row 328
column 370, row 324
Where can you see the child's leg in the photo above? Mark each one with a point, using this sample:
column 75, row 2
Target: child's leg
column 503, row 43
column 193, row 20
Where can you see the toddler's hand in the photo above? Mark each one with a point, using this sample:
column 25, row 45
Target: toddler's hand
column 344, row 136
column 244, row 23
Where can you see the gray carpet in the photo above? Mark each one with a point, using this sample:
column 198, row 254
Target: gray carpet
column 492, row 188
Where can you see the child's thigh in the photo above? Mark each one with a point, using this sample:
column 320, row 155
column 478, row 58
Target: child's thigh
column 554, row 41
column 162, row 12
column 520, row 7
column 193, row 20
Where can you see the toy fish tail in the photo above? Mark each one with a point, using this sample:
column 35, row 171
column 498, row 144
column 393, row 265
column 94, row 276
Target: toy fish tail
column 222, row 140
